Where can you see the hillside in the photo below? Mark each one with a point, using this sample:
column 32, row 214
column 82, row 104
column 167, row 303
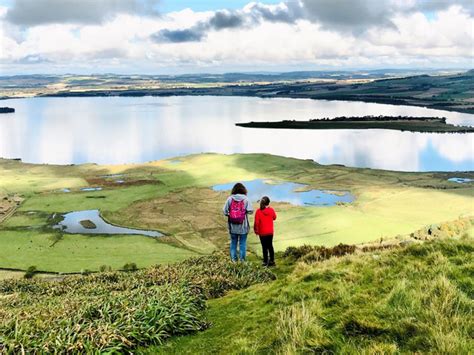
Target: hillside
column 417, row 299
column 403, row 298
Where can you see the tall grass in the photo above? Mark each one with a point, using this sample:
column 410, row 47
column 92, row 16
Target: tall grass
column 417, row 299
column 300, row 329
column 116, row 311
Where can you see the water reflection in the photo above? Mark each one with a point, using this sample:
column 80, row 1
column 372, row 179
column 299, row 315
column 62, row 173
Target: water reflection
column 288, row 192
column 460, row 180
column 127, row 129
column 95, row 225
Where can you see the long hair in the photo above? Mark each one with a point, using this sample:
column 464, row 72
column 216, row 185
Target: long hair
column 264, row 202
column 239, row 188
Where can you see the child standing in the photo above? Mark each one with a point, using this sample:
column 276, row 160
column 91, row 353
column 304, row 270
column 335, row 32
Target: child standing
column 263, row 227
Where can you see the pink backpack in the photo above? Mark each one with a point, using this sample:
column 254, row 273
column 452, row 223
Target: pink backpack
column 237, row 212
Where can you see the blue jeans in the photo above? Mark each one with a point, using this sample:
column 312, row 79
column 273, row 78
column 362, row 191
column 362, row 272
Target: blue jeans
column 240, row 239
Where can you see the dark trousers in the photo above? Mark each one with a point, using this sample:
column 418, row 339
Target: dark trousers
column 267, row 249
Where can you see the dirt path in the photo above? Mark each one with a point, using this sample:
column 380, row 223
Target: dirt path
column 16, row 202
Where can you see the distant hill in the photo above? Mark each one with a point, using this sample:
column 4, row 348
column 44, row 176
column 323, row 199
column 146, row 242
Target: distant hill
column 452, row 91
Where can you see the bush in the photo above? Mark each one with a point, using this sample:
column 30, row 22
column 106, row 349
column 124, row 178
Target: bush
column 130, row 267
column 298, row 252
column 310, row 254
column 85, row 272
column 30, row 272
column 105, row 268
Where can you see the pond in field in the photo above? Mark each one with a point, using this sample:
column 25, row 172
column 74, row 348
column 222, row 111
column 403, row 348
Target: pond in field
column 290, row 192
column 90, row 222
column 116, row 130
column 460, row 180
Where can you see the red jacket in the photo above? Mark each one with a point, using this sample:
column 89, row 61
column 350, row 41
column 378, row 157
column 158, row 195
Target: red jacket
column 263, row 224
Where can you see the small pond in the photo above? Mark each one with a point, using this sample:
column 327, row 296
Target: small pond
column 288, row 192
column 72, row 224
column 112, row 175
column 460, row 180
column 91, row 189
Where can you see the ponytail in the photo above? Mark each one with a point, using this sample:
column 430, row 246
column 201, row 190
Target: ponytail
column 264, row 202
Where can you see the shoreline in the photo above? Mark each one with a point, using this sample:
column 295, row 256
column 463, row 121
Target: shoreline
column 165, row 93
column 417, row 91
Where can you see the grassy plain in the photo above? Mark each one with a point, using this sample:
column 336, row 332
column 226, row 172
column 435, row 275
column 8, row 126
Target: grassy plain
column 177, row 199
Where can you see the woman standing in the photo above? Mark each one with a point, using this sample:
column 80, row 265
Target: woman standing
column 236, row 208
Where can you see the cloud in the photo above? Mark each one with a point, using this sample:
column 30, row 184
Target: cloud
column 220, row 20
column 177, row 36
column 33, row 59
column 287, row 12
column 354, row 16
column 225, row 19
column 467, row 5
column 40, row 12
column 279, row 37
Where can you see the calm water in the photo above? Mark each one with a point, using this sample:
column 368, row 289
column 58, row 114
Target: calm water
column 129, row 129
column 287, row 192
column 460, row 180
column 70, row 224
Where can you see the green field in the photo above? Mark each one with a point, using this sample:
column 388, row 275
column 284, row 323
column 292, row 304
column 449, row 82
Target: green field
column 177, row 199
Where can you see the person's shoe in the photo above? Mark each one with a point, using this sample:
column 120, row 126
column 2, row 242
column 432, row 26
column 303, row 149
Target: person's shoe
column 264, row 264
column 271, row 263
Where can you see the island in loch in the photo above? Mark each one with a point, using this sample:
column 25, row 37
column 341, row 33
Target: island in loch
column 400, row 123
column 7, row 110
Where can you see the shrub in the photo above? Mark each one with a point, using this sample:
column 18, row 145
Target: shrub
column 30, row 272
column 298, row 252
column 130, row 267
column 105, row 268
column 310, row 254
column 85, row 272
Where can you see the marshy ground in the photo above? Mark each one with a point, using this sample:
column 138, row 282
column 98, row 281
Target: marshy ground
column 177, row 199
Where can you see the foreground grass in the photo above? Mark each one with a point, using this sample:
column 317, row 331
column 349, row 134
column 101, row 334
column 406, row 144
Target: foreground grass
column 417, row 299
column 115, row 312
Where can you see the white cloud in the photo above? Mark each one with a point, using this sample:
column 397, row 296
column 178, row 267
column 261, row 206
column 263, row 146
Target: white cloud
column 124, row 43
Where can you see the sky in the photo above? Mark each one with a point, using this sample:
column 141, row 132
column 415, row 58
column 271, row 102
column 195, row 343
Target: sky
column 196, row 36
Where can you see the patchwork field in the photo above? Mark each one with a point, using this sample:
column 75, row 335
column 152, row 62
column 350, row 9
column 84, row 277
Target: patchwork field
column 176, row 198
